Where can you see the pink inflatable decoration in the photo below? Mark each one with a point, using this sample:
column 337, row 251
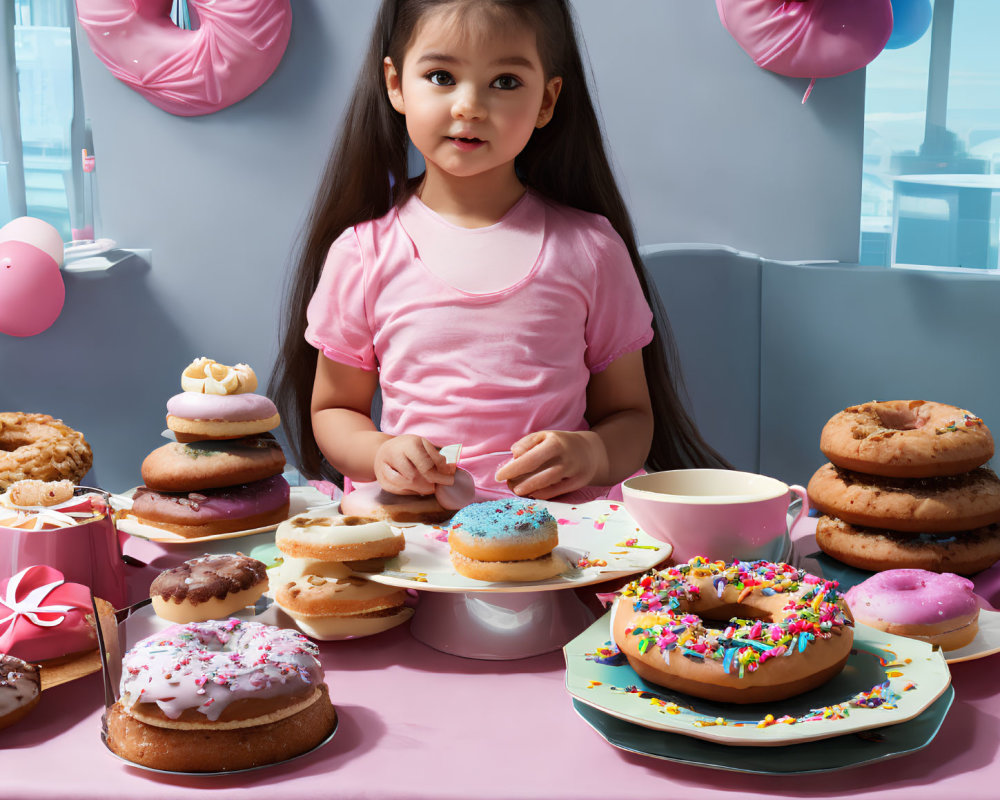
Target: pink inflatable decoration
column 809, row 38
column 32, row 291
column 234, row 49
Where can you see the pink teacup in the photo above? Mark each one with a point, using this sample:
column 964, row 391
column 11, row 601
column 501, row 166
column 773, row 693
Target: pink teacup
column 717, row 513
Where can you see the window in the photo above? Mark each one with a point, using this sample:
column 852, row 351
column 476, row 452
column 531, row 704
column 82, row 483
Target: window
column 42, row 131
column 931, row 181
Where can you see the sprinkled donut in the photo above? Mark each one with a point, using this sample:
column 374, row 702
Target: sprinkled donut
column 940, row 609
column 787, row 630
column 220, row 695
column 906, row 439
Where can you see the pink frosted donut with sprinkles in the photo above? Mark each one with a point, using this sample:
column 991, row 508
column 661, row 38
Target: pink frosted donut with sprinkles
column 778, row 631
column 218, row 695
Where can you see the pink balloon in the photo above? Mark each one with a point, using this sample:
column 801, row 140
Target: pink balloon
column 32, row 291
column 809, row 38
column 234, row 49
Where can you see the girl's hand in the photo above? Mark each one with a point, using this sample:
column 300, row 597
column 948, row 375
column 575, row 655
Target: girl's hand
column 547, row 464
column 411, row 465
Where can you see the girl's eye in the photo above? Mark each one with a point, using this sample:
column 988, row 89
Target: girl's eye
column 440, row 77
column 506, row 82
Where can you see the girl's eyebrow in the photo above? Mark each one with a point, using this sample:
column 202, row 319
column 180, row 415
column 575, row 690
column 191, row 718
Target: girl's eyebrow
column 505, row 61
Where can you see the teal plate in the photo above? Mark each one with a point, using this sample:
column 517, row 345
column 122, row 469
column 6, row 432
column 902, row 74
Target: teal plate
column 826, row 755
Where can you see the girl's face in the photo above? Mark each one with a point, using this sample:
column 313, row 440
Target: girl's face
column 471, row 99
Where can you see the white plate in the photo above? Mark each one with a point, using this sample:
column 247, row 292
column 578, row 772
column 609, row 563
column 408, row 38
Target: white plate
column 986, row 643
column 301, row 499
column 593, row 532
column 875, row 658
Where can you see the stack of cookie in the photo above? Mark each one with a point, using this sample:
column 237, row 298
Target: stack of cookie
column 316, row 585
column 223, row 474
column 906, row 489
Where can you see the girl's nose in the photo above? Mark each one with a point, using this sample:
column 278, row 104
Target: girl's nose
column 468, row 104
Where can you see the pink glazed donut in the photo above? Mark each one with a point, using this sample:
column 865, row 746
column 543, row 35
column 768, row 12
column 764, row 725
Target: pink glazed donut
column 194, row 416
column 939, row 608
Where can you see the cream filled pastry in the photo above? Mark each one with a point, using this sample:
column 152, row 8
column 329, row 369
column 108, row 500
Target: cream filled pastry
column 337, row 538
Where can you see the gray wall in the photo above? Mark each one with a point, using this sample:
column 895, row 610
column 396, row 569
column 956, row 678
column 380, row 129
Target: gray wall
column 707, row 147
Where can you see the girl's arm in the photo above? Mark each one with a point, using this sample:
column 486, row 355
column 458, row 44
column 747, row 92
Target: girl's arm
column 547, row 464
column 342, row 424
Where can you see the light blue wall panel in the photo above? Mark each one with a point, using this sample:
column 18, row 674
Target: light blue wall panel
column 834, row 336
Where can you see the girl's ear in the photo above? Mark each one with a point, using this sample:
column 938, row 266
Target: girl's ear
column 393, row 85
column 548, row 107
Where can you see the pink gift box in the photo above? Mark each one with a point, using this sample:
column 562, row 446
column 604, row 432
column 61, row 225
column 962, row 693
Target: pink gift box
column 89, row 553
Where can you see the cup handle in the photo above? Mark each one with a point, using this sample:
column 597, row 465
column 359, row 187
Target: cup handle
column 803, row 511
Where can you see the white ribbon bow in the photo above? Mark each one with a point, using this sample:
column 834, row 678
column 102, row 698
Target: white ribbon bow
column 31, row 606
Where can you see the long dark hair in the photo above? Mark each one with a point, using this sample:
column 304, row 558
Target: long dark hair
column 367, row 174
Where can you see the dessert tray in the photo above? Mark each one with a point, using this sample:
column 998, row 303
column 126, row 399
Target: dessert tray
column 899, row 678
column 987, row 641
column 826, row 755
column 301, row 499
column 598, row 541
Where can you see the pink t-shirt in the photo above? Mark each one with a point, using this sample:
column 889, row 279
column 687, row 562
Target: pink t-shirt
column 481, row 368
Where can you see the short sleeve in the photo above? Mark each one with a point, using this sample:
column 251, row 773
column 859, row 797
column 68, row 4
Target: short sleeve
column 337, row 313
column 619, row 319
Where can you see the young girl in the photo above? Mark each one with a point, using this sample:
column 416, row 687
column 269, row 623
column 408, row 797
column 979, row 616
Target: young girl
column 497, row 300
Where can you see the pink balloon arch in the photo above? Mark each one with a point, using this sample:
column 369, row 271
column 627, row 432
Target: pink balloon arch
column 232, row 51
column 808, row 38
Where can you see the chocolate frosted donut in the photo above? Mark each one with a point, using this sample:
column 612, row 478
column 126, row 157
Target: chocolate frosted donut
column 213, row 511
column 211, row 464
column 20, row 689
column 211, row 587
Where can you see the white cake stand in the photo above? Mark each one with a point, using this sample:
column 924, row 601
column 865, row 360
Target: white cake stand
column 598, row 541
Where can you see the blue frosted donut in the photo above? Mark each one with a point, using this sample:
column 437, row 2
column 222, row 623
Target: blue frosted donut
column 509, row 530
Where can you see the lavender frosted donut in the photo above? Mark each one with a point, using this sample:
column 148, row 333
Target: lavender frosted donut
column 220, row 695
column 939, row 608
column 212, row 511
column 193, row 416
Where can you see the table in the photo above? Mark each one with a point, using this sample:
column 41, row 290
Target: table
column 418, row 723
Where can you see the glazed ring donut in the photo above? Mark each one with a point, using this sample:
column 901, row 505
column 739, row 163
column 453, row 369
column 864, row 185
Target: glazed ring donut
column 39, row 447
column 906, row 439
column 875, row 549
column 342, row 607
column 212, row 464
column 940, row 609
column 772, row 610
column 337, row 538
column 918, row 505
column 220, row 695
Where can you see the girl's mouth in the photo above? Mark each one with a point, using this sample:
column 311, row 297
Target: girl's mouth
column 466, row 143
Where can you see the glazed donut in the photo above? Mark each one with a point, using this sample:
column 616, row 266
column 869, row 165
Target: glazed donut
column 505, row 540
column 918, row 505
column 213, row 511
column 188, row 467
column 327, row 608
column 235, row 48
column 20, row 689
column 940, row 609
column 906, row 439
column 220, row 695
column 773, row 610
column 39, row 447
column 210, row 587
column 875, row 549
column 337, row 538
column 194, row 416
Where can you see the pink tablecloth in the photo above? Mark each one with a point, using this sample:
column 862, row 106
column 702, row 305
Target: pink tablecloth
column 418, row 723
